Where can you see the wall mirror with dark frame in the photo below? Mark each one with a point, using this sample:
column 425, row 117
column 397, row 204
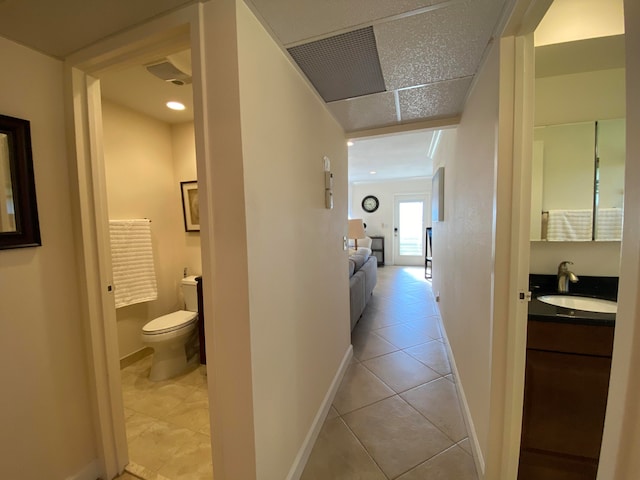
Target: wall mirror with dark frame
column 19, row 225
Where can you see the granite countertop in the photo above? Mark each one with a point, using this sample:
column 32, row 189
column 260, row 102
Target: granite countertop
column 598, row 287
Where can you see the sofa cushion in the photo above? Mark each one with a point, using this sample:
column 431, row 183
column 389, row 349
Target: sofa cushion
column 357, row 297
column 352, row 268
column 359, row 260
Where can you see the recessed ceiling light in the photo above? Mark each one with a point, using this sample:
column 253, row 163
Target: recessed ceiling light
column 349, row 143
column 373, row 172
column 175, row 106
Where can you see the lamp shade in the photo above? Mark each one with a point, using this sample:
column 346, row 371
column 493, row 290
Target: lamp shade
column 356, row 228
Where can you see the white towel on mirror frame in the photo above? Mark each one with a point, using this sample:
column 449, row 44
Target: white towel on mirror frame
column 134, row 275
column 609, row 224
column 573, row 225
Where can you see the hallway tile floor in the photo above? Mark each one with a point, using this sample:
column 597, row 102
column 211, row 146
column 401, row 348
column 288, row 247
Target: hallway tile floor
column 396, row 414
column 167, row 424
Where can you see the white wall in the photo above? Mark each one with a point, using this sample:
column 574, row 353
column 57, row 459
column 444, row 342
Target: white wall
column 597, row 259
column 381, row 222
column 45, row 410
column 141, row 159
column 582, row 97
column 463, row 244
column 446, row 147
column 279, row 309
column 184, row 165
column 297, row 283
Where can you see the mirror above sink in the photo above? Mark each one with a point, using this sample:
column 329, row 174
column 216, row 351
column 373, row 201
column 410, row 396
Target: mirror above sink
column 578, row 152
column 578, row 181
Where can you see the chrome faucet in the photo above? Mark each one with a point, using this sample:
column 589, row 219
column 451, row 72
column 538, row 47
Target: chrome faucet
column 565, row 276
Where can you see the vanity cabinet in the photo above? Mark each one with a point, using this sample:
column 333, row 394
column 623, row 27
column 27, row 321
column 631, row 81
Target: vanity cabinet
column 566, row 387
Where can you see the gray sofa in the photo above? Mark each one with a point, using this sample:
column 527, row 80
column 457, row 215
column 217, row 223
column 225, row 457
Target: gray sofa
column 363, row 275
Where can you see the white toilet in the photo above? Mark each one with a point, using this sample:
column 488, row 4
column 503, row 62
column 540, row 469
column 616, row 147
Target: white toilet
column 169, row 335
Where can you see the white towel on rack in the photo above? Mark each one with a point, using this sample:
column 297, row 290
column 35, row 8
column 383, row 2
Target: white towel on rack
column 609, row 224
column 572, row 225
column 134, row 275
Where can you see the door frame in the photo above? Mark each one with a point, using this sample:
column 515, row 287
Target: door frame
column 397, row 198
column 84, row 113
column 517, row 62
column 512, row 186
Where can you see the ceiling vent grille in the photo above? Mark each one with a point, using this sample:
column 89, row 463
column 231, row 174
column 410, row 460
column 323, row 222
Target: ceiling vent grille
column 343, row 66
column 165, row 70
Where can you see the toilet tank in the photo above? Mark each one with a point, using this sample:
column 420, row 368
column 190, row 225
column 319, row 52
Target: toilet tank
column 190, row 293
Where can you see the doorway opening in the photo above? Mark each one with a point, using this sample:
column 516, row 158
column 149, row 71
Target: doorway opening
column 577, row 146
column 149, row 156
column 131, row 165
column 389, row 167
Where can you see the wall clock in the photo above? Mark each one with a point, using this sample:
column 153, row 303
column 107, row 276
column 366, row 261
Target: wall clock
column 370, row 203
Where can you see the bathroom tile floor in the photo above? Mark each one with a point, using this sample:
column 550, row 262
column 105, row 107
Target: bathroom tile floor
column 396, row 414
column 167, row 424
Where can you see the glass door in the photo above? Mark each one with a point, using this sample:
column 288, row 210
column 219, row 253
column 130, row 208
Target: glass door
column 409, row 227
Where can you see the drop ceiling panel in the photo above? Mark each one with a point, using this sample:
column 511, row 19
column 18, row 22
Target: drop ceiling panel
column 342, row 66
column 365, row 112
column 442, row 44
column 442, row 99
column 295, row 20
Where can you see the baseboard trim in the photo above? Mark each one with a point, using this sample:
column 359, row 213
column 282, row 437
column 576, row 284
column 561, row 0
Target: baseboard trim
column 89, row 472
column 466, row 412
column 135, row 356
column 305, row 450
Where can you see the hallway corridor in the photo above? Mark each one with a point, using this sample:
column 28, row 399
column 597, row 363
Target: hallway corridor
column 396, row 414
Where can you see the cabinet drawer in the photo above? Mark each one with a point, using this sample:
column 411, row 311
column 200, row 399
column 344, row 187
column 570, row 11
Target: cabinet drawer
column 570, row 338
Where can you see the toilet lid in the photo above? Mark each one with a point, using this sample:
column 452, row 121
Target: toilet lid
column 170, row 322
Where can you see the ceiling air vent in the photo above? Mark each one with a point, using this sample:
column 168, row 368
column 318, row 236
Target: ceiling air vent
column 167, row 71
column 343, row 66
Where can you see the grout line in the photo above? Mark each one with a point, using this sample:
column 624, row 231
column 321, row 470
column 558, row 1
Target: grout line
column 369, row 454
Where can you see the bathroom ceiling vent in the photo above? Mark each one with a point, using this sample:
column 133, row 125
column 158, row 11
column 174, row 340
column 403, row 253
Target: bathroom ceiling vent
column 167, row 71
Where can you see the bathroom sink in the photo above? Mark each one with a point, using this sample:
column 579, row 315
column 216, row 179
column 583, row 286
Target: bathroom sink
column 586, row 304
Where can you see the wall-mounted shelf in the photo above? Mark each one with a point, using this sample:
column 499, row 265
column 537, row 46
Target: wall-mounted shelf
column 377, row 249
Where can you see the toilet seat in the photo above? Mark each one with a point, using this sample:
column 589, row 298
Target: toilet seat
column 170, row 322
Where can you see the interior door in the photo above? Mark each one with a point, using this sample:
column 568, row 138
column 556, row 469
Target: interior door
column 411, row 217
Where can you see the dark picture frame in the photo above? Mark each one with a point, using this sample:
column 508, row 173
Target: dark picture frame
column 190, row 206
column 23, row 229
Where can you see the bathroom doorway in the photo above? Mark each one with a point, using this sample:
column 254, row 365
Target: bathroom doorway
column 519, row 53
column 130, row 165
column 579, row 136
column 167, row 419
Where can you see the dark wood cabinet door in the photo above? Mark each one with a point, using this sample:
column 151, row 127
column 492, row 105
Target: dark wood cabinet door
column 563, row 417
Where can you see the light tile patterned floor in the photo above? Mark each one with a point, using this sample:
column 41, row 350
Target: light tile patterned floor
column 167, row 424
column 396, row 414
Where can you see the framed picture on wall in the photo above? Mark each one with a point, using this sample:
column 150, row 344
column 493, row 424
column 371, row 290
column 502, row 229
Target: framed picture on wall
column 437, row 196
column 190, row 206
